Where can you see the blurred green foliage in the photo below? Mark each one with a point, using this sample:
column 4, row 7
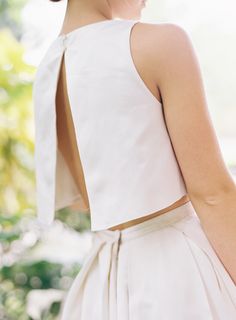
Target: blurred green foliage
column 10, row 15
column 19, row 274
column 16, row 130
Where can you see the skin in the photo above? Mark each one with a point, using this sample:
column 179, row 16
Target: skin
column 166, row 61
column 82, row 12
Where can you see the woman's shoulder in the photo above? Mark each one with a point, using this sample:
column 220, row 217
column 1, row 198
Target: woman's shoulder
column 161, row 31
column 161, row 44
column 162, row 38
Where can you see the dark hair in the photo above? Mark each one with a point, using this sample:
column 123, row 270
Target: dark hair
column 55, row 0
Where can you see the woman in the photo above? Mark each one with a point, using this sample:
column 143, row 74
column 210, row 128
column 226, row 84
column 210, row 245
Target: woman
column 137, row 149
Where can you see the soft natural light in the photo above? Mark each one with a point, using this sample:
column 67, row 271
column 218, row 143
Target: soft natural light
column 211, row 26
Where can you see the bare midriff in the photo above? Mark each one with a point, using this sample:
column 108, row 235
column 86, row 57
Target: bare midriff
column 130, row 223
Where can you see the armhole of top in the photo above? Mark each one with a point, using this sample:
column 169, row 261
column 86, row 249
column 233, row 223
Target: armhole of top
column 134, row 68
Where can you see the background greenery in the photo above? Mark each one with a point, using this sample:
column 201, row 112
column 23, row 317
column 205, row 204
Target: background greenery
column 21, row 271
column 30, row 264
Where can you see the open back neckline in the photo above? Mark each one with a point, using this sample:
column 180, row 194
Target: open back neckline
column 85, row 27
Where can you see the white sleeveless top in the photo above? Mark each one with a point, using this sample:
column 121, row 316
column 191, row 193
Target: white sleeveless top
column 129, row 165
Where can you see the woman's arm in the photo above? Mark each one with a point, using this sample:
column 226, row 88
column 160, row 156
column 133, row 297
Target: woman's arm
column 210, row 186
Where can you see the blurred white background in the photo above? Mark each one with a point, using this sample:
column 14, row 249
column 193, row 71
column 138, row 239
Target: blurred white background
column 212, row 28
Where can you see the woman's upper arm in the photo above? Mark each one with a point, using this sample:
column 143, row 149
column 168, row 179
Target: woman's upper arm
column 187, row 117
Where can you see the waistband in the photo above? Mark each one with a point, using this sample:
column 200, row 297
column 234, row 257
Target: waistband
column 152, row 224
column 105, row 248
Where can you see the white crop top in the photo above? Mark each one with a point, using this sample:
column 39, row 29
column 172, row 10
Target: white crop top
column 129, row 165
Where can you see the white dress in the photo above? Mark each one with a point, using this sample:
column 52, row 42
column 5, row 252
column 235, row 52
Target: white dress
column 163, row 268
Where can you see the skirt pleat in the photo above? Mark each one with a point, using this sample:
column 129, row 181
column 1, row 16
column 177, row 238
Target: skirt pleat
column 161, row 269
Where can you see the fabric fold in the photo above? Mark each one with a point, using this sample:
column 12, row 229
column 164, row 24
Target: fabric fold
column 162, row 268
column 105, row 247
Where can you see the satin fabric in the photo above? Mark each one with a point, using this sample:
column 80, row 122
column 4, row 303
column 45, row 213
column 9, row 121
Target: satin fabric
column 162, row 268
column 119, row 127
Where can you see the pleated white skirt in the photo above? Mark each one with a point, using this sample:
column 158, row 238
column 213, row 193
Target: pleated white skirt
column 161, row 269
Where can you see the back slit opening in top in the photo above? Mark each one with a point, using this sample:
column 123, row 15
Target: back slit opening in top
column 67, row 142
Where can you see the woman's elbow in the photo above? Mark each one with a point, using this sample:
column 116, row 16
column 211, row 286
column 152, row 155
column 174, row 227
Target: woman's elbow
column 215, row 194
